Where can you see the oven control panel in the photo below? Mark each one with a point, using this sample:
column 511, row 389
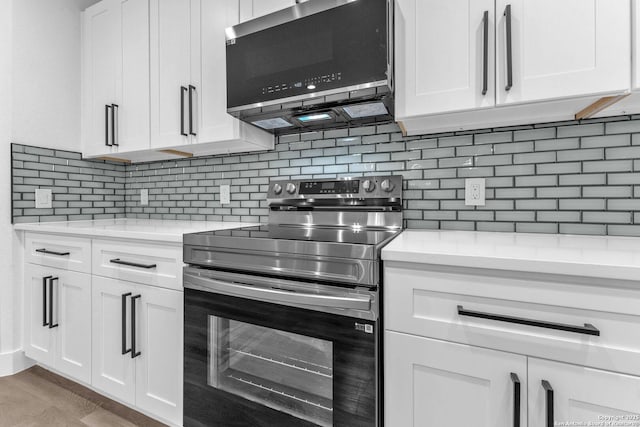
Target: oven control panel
column 330, row 187
column 369, row 187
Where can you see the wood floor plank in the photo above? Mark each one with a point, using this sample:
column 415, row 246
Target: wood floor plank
column 51, row 417
column 17, row 404
column 69, row 402
column 122, row 411
column 37, row 397
column 103, row 418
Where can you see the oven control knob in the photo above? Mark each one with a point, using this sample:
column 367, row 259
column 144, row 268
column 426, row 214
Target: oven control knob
column 387, row 186
column 291, row 188
column 369, row 186
column 277, row 188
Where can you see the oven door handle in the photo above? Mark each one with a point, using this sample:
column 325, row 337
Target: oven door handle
column 277, row 295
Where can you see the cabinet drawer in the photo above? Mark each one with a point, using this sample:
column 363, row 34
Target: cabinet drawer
column 150, row 264
column 67, row 253
column 532, row 316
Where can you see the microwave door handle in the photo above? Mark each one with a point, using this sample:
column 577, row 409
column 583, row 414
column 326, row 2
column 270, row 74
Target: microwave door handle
column 273, row 294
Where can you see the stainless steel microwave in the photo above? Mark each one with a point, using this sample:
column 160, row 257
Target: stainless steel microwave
column 316, row 65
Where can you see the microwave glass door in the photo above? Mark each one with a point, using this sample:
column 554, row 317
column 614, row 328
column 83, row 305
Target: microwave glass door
column 288, row 372
column 341, row 47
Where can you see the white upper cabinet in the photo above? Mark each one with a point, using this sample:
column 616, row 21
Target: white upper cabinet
column 115, row 77
column 635, row 43
column 529, row 61
column 154, row 77
column 250, row 9
column 100, row 53
column 171, row 71
column 211, row 122
column 132, row 97
column 562, row 48
column 188, row 80
column 442, row 48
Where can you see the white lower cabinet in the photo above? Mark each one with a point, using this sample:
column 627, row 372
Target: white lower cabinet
column 137, row 345
column 427, row 381
column 431, row 383
column 58, row 320
column 113, row 371
column 454, row 336
column 581, row 396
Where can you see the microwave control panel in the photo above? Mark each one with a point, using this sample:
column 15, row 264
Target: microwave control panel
column 311, row 83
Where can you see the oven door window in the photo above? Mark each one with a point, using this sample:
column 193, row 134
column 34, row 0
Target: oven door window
column 285, row 371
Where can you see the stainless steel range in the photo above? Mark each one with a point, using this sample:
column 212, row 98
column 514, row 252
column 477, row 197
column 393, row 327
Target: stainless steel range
column 282, row 320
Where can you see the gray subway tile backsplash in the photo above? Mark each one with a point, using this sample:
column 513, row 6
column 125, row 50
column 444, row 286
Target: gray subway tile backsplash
column 571, row 177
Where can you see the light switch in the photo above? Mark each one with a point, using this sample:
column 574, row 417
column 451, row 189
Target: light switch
column 225, row 195
column 144, row 197
column 43, row 198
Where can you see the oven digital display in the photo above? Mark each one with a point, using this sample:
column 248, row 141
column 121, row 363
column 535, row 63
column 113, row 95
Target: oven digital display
column 330, row 187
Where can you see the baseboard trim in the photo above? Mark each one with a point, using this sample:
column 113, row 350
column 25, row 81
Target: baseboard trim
column 14, row 362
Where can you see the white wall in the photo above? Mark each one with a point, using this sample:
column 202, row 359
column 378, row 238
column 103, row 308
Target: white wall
column 46, row 79
column 10, row 295
column 39, row 105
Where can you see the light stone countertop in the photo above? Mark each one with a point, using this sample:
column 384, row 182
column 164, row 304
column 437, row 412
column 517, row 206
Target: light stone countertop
column 605, row 257
column 129, row 228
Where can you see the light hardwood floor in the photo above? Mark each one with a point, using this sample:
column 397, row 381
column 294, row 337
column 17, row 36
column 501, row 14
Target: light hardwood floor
column 37, row 397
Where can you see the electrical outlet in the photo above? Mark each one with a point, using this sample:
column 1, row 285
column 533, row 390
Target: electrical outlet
column 225, row 195
column 474, row 192
column 43, row 198
column 144, row 197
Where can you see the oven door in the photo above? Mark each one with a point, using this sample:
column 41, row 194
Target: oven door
column 252, row 362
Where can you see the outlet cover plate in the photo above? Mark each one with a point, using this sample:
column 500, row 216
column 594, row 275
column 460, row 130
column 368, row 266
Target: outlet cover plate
column 144, row 197
column 225, row 195
column 474, row 192
column 43, row 198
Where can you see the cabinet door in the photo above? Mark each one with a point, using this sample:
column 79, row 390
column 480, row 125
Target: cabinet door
column 250, row 9
column 100, row 72
column 133, row 76
column 209, row 73
column 159, row 365
column 72, row 312
column 213, row 127
column 582, row 396
column 563, row 48
column 635, row 14
column 39, row 338
column 440, row 56
column 112, row 371
column 170, row 55
column 436, row 383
